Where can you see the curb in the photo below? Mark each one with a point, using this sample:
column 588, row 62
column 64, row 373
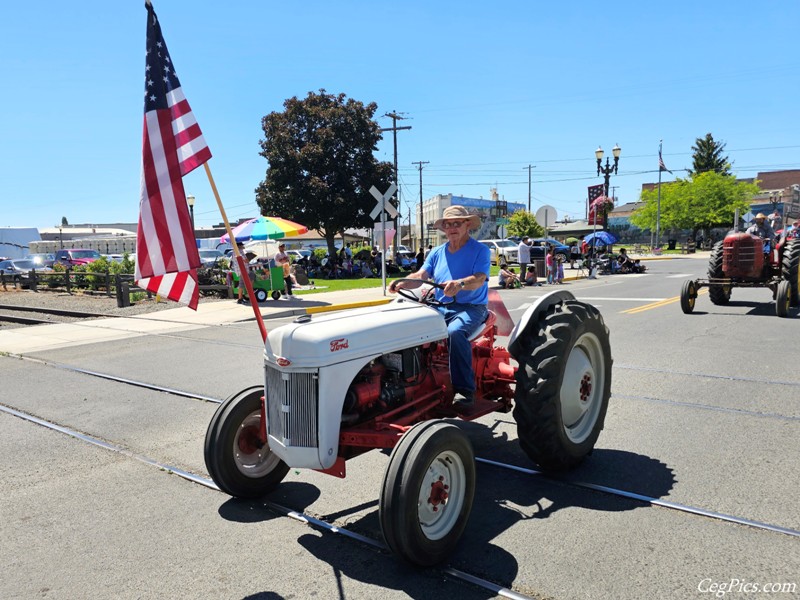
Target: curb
column 317, row 309
column 348, row 305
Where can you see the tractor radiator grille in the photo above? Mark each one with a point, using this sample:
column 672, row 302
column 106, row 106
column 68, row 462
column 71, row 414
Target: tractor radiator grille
column 292, row 407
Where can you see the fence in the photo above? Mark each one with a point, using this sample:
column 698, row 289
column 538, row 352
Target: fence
column 120, row 285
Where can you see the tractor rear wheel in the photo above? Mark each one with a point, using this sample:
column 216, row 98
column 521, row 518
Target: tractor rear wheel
column 688, row 296
column 719, row 294
column 427, row 492
column 563, row 386
column 783, row 299
column 236, row 459
column 790, row 268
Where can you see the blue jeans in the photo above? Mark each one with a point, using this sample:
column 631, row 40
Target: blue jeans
column 462, row 320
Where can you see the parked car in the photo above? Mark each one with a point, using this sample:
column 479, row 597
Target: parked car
column 76, row 256
column 406, row 259
column 42, row 259
column 209, row 256
column 296, row 255
column 562, row 250
column 505, row 250
column 17, row 266
column 118, row 258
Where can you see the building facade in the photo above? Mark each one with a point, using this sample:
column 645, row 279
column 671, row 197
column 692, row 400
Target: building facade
column 493, row 212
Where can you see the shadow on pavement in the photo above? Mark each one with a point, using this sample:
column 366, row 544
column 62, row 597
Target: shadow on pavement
column 294, row 495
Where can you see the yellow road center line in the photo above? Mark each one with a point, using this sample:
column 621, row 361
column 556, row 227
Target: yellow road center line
column 658, row 304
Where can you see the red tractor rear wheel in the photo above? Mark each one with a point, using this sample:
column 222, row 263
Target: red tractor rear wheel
column 719, row 294
column 789, row 270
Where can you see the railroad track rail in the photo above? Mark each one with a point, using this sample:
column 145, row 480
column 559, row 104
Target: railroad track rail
column 34, row 315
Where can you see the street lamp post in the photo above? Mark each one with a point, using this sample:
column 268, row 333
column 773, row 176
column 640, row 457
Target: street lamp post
column 607, row 171
column 190, row 202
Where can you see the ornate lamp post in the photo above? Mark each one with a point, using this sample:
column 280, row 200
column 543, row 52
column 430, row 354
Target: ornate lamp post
column 607, row 171
column 190, row 202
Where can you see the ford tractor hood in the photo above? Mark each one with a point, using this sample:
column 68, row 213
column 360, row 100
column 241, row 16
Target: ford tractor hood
column 318, row 341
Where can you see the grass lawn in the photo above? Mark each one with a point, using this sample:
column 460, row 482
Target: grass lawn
column 338, row 285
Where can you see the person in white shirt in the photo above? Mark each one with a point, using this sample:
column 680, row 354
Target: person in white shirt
column 524, row 254
column 282, row 260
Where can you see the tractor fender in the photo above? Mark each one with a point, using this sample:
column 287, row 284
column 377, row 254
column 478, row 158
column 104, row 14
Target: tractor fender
column 528, row 325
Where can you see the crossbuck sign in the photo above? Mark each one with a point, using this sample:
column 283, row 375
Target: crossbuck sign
column 383, row 202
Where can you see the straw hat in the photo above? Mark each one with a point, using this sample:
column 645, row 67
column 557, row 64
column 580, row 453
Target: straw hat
column 761, row 216
column 456, row 212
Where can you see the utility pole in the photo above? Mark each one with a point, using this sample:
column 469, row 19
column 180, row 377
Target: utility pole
column 408, row 227
column 529, row 167
column 395, row 116
column 421, row 214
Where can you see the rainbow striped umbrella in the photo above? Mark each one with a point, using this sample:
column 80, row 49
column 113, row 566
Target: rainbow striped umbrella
column 265, row 228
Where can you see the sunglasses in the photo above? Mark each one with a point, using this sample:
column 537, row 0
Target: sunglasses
column 452, row 224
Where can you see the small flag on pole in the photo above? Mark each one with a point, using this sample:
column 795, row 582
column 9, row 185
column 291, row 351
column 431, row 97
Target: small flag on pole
column 595, row 191
column 661, row 165
column 173, row 146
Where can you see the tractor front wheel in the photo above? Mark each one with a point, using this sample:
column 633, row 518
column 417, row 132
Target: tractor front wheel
column 688, row 296
column 783, row 299
column 238, row 462
column 261, row 295
column 276, row 295
column 427, row 492
column 563, row 386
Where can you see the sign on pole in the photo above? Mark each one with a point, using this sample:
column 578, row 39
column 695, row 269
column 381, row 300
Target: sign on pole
column 383, row 202
column 381, row 209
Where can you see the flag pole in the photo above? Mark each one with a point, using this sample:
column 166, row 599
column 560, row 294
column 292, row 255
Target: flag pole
column 658, row 205
column 245, row 275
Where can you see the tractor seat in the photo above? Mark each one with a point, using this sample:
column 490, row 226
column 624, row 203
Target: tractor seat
column 488, row 323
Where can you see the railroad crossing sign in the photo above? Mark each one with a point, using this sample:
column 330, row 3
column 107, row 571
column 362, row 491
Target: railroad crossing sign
column 383, row 202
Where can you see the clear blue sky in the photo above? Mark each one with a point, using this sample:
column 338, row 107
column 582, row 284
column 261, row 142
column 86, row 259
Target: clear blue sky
column 488, row 88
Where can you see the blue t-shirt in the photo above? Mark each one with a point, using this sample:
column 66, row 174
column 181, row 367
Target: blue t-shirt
column 473, row 257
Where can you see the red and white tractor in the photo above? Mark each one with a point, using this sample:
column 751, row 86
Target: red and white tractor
column 744, row 260
column 342, row 384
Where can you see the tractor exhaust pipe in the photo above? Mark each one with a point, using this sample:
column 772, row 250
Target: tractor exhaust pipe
column 736, row 221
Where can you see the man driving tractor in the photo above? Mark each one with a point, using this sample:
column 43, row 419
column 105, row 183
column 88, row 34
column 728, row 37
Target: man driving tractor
column 461, row 265
column 762, row 229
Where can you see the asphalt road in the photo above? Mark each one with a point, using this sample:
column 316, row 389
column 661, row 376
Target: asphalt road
column 705, row 412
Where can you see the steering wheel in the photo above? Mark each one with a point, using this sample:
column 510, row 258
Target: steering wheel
column 428, row 298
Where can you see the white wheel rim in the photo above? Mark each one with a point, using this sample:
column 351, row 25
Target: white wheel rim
column 258, row 462
column 441, row 495
column 582, row 388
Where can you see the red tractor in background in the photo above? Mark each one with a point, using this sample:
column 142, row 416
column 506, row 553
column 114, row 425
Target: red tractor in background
column 745, row 260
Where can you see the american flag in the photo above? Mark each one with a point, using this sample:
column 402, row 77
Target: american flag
column 595, row 191
column 661, row 165
column 166, row 251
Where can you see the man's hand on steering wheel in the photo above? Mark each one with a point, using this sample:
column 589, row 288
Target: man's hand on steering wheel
column 451, row 288
column 401, row 286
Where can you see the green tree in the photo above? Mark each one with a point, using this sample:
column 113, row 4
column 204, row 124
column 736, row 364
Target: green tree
column 64, row 221
column 321, row 163
column 524, row 223
column 703, row 201
column 707, row 156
